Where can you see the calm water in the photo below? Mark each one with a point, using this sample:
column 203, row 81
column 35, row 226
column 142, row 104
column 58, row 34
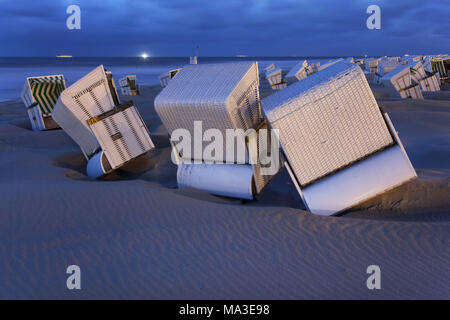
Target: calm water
column 13, row 71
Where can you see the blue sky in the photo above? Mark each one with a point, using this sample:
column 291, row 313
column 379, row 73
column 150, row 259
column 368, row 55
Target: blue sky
column 224, row 27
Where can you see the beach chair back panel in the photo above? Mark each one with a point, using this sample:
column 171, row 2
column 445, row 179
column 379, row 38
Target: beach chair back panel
column 328, row 121
column 88, row 97
column 122, row 136
column 46, row 91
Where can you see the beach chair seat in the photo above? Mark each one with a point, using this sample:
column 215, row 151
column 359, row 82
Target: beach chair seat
column 109, row 133
column 340, row 148
column 219, row 97
column 129, row 86
column 167, row 76
column 39, row 95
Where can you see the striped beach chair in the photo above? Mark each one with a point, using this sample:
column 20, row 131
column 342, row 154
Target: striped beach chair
column 438, row 65
column 39, row 95
column 340, row 147
column 128, row 86
column 109, row 133
column 221, row 97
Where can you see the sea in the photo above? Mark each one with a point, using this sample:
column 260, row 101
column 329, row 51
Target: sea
column 14, row 71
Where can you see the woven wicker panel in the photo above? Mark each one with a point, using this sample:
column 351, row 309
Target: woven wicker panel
column 122, row 136
column 222, row 96
column 327, row 121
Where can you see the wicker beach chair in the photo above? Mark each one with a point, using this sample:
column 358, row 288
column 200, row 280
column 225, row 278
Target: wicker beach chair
column 39, row 95
column 129, row 86
column 340, row 148
column 109, row 133
column 222, row 97
column 275, row 78
column 400, row 83
column 297, row 72
column 167, row 76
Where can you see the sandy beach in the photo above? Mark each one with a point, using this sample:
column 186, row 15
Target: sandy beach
column 136, row 236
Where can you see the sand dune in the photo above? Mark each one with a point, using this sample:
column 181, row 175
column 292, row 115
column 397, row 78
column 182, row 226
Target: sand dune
column 135, row 235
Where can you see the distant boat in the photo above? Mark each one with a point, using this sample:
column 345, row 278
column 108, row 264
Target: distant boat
column 64, row 56
column 241, row 56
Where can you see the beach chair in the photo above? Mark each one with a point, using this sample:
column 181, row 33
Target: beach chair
column 109, row 133
column 340, row 147
column 220, row 97
column 39, row 94
column 167, row 76
column 400, row 83
column 440, row 66
column 298, row 72
column 384, row 67
column 128, row 86
column 275, row 78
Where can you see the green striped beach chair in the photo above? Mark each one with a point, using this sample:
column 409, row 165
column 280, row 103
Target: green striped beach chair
column 438, row 66
column 39, row 95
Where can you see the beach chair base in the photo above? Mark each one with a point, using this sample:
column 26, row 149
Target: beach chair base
column 364, row 180
column 40, row 122
column 230, row 180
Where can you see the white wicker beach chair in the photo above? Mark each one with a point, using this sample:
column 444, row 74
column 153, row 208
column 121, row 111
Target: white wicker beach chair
column 129, row 86
column 39, row 94
column 400, row 83
column 298, row 72
column 274, row 76
column 109, row 134
column 167, row 76
column 384, row 67
column 222, row 96
column 340, row 148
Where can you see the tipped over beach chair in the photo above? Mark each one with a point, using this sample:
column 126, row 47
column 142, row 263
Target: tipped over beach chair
column 297, row 72
column 384, row 67
column 221, row 97
column 340, row 147
column 109, row 133
column 167, row 76
column 400, row 83
column 39, row 95
column 428, row 81
column 275, row 78
column 128, row 86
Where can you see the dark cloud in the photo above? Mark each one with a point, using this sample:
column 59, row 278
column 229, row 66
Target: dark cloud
column 223, row 27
